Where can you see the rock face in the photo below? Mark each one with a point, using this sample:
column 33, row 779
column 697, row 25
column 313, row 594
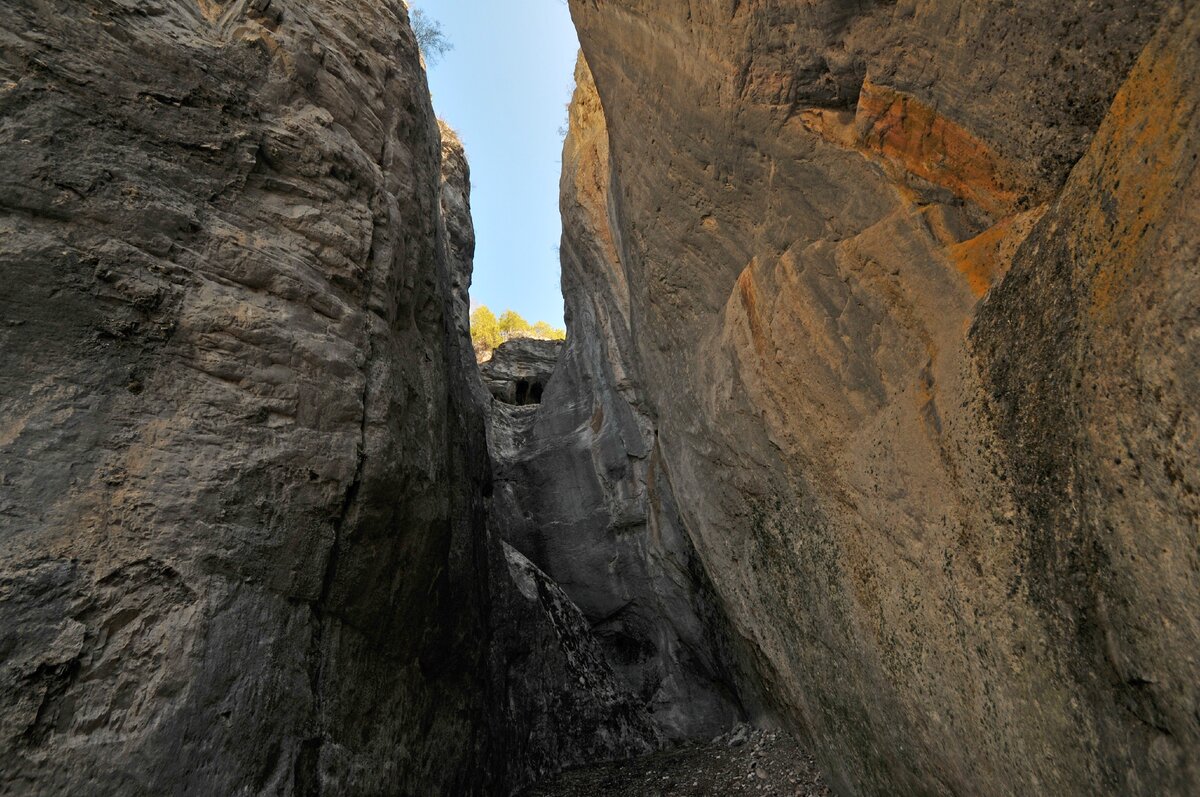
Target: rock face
column 906, row 294
column 242, row 541
column 558, row 702
column 553, row 700
column 581, row 487
column 520, row 369
column 243, row 470
column 878, row 411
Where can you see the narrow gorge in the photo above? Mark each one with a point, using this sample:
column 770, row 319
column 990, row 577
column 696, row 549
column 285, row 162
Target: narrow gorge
column 876, row 431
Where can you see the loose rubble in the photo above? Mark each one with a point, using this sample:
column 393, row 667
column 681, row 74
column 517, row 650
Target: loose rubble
column 744, row 761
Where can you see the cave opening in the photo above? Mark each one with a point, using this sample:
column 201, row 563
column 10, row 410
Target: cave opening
column 528, row 393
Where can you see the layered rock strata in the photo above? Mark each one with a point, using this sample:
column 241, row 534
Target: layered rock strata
column 912, row 295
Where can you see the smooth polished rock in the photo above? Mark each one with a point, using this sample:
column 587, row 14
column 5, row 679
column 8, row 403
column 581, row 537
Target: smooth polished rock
column 911, row 300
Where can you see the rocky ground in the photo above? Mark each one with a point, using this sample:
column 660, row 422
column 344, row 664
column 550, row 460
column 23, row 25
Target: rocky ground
column 745, row 761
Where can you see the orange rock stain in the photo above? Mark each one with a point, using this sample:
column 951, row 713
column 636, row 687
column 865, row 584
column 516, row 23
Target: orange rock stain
column 905, row 130
column 984, row 259
column 748, row 292
column 1145, row 138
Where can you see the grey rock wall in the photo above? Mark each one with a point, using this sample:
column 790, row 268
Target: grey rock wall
column 581, row 487
column 239, row 549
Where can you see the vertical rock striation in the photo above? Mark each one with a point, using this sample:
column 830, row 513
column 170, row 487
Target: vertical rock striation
column 242, row 547
column 244, row 480
column 908, row 290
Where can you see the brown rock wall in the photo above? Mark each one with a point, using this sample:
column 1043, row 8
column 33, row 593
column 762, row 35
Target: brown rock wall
column 808, row 202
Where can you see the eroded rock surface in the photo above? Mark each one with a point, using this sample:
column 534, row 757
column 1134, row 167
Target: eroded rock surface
column 241, row 541
column 243, row 471
column 912, row 295
column 582, row 489
column 877, row 413
column 520, row 369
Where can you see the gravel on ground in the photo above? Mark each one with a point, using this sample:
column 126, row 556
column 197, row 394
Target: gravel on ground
column 744, row 761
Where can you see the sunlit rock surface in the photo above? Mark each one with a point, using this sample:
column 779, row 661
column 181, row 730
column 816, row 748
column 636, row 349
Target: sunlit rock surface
column 912, row 296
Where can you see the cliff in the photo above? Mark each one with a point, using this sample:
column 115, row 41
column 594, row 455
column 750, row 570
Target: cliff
column 908, row 293
column 877, row 416
column 243, row 471
column 241, row 551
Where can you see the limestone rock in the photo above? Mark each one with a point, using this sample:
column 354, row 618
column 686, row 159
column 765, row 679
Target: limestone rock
column 561, row 703
column 239, row 547
column 243, row 470
column 520, row 369
column 951, row 537
column 455, row 203
column 581, row 488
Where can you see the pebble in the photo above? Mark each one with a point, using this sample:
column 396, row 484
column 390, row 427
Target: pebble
column 761, row 763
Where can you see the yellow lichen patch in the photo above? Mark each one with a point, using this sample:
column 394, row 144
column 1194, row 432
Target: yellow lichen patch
column 906, row 131
column 210, row 9
column 1136, row 163
column 984, row 259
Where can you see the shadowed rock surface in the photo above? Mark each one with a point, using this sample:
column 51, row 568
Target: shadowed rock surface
column 243, row 470
column 581, row 489
column 877, row 415
column 232, row 436
column 520, row 369
column 742, row 762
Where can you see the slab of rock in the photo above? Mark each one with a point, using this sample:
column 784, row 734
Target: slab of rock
column 520, row 369
column 955, row 540
column 243, row 471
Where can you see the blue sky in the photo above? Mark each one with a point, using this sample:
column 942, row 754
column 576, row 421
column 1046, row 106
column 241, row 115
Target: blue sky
column 504, row 87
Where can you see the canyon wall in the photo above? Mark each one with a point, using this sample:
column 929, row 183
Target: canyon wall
column 581, row 487
column 243, row 472
column 907, row 294
column 242, row 538
column 877, row 413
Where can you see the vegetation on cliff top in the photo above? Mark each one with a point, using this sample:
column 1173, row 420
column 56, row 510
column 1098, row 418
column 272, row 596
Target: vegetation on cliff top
column 488, row 332
column 430, row 37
